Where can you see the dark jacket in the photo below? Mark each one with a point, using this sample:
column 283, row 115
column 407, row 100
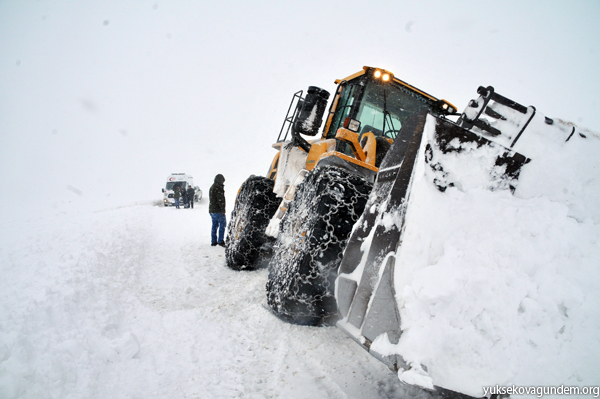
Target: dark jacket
column 216, row 196
column 190, row 193
column 176, row 193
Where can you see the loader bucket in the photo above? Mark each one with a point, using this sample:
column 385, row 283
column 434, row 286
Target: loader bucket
column 431, row 151
column 361, row 264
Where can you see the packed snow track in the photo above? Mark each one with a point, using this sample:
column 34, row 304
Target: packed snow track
column 134, row 303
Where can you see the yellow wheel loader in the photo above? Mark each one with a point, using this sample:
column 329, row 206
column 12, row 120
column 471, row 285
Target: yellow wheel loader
column 299, row 217
column 333, row 215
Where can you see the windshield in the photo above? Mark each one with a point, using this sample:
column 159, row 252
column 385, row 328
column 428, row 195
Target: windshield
column 384, row 109
column 380, row 108
column 171, row 184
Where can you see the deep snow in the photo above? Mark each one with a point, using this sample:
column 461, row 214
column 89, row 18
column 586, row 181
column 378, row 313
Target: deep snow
column 133, row 302
column 496, row 288
column 99, row 101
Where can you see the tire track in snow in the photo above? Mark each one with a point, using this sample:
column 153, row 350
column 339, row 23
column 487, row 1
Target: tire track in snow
column 77, row 290
column 261, row 356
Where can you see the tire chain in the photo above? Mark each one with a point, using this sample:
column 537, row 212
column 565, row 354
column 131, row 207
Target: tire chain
column 312, row 238
column 255, row 205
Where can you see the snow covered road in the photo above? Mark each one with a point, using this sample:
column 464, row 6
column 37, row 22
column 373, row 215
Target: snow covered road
column 133, row 302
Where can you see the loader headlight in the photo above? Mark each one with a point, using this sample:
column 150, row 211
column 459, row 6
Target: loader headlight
column 354, row 125
column 382, row 75
column 351, row 124
column 446, row 107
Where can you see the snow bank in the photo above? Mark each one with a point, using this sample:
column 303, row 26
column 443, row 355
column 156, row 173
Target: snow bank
column 501, row 289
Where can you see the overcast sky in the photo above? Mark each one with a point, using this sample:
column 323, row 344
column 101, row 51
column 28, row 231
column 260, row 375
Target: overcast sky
column 101, row 100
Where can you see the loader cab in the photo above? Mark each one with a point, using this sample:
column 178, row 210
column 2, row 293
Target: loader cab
column 375, row 101
column 368, row 111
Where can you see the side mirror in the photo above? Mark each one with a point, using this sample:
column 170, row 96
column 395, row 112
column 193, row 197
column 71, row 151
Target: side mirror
column 163, row 190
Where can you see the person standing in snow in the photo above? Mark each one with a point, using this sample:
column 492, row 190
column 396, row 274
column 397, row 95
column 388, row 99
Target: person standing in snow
column 184, row 196
column 216, row 208
column 190, row 196
column 176, row 196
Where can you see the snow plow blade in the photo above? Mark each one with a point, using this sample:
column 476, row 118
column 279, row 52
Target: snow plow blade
column 436, row 174
column 438, row 149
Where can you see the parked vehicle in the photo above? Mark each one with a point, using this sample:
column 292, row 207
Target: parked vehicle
column 183, row 181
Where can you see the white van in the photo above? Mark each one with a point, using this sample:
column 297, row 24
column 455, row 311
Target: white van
column 183, row 181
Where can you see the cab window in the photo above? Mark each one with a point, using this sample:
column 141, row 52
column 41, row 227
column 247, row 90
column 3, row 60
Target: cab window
column 348, row 97
column 385, row 107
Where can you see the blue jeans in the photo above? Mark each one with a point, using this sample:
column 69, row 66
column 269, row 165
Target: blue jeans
column 218, row 222
column 177, row 203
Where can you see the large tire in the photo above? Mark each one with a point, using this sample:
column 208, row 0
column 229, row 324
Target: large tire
column 255, row 205
column 312, row 237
